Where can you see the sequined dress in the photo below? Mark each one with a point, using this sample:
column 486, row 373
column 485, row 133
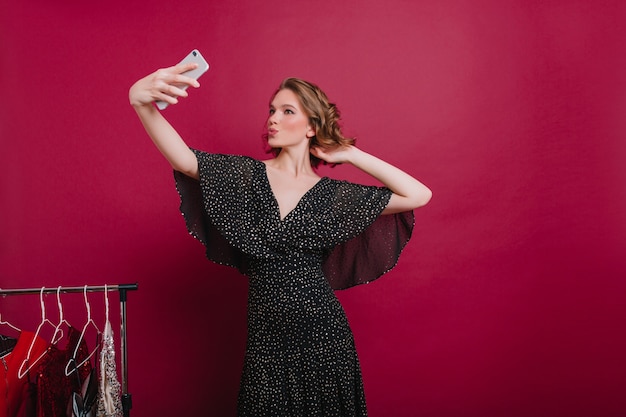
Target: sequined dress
column 54, row 388
column 300, row 355
column 109, row 388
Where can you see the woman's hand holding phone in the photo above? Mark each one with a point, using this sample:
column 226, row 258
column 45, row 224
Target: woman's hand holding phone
column 165, row 85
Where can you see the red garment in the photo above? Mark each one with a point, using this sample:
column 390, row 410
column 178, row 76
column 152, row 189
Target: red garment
column 18, row 397
column 54, row 388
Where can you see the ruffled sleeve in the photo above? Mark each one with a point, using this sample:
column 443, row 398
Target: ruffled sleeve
column 366, row 244
column 211, row 205
column 232, row 212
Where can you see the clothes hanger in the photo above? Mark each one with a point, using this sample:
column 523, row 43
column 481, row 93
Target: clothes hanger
column 6, row 323
column 107, row 323
column 7, row 343
column 71, row 365
column 106, row 304
column 62, row 320
column 31, row 363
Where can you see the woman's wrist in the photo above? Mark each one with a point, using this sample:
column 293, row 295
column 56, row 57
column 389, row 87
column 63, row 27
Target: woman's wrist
column 354, row 155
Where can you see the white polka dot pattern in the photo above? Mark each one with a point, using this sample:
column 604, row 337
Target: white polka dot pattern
column 300, row 356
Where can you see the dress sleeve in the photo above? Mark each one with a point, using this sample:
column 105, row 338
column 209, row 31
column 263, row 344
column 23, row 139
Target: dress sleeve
column 204, row 218
column 371, row 243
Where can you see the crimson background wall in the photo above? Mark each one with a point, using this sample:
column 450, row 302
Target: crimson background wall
column 509, row 300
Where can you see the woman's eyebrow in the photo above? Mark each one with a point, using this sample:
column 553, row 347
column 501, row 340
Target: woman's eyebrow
column 282, row 106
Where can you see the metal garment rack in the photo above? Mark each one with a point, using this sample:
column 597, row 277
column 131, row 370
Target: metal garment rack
column 122, row 289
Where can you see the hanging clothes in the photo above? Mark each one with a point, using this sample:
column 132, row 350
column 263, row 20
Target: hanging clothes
column 84, row 404
column 109, row 399
column 7, row 344
column 18, row 397
column 54, row 388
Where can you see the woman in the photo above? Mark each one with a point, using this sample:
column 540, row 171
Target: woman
column 296, row 235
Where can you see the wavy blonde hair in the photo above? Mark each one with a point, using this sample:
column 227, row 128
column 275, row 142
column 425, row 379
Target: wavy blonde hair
column 323, row 116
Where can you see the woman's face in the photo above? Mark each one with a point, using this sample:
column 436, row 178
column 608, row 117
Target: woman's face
column 287, row 124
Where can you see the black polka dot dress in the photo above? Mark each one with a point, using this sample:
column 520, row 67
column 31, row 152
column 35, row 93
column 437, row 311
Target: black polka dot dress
column 300, row 355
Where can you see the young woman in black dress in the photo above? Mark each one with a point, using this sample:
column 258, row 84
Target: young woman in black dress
column 296, row 235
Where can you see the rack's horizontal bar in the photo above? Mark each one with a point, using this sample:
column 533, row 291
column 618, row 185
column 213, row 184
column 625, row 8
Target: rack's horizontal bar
column 50, row 290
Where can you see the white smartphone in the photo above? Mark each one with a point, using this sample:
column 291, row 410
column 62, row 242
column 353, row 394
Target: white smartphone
column 196, row 57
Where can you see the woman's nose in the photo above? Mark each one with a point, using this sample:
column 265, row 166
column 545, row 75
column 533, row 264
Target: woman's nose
column 273, row 119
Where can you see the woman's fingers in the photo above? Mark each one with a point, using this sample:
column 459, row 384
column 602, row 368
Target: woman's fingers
column 180, row 77
column 170, row 94
column 180, row 80
column 181, row 68
column 165, row 84
column 337, row 155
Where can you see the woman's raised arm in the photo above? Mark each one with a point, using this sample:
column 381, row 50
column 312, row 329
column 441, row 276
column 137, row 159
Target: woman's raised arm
column 408, row 193
column 164, row 85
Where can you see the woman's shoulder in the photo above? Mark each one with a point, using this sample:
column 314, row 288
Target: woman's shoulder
column 210, row 157
column 351, row 185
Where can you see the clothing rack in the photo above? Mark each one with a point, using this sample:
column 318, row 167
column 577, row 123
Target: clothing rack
column 122, row 289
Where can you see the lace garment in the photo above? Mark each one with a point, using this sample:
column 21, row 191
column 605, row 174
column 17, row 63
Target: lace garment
column 109, row 400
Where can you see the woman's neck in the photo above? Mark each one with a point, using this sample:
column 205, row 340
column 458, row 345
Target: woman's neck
column 292, row 163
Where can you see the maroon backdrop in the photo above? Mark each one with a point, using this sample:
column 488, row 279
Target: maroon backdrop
column 509, row 300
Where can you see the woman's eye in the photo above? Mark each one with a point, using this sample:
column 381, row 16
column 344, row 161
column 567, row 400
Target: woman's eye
column 289, row 111
column 272, row 111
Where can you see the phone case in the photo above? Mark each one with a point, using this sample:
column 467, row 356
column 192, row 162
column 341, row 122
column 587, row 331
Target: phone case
column 196, row 57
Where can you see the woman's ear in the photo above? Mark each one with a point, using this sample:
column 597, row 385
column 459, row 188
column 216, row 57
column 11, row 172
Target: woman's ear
column 311, row 132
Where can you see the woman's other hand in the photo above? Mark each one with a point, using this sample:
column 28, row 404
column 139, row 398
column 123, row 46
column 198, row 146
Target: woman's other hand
column 338, row 155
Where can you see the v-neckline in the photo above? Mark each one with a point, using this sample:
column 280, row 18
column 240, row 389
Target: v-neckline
column 273, row 194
